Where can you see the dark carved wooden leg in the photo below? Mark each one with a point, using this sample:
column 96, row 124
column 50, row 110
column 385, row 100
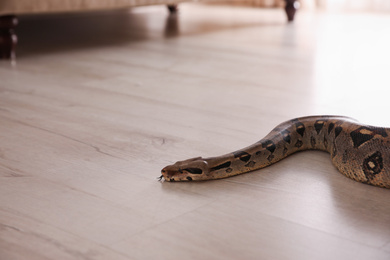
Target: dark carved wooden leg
column 8, row 38
column 172, row 8
column 291, row 8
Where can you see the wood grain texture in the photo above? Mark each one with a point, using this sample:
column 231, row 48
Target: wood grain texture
column 87, row 123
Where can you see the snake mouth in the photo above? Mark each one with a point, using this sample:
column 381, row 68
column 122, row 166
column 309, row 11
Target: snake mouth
column 167, row 175
column 188, row 178
column 172, row 177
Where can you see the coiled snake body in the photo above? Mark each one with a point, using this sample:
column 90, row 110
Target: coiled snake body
column 360, row 152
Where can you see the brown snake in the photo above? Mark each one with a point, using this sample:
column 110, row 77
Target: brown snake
column 360, row 152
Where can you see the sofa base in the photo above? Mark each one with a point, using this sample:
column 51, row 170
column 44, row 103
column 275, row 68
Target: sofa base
column 8, row 38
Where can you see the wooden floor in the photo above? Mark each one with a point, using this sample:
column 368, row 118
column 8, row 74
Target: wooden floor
column 96, row 104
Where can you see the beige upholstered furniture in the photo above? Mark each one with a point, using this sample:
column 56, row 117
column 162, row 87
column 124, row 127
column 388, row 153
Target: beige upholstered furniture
column 9, row 9
column 45, row 6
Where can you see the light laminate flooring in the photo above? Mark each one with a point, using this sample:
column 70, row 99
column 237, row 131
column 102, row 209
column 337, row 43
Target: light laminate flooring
column 97, row 103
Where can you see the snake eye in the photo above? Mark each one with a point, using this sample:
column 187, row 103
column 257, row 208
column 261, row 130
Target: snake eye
column 194, row 170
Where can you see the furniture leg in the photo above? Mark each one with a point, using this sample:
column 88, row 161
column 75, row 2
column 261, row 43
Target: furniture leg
column 291, row 7
column 172, row 8
column 8, row 38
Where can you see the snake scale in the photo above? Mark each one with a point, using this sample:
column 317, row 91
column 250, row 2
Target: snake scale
column 360, row 152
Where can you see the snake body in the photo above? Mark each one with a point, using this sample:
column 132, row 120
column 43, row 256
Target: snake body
column 360, row 152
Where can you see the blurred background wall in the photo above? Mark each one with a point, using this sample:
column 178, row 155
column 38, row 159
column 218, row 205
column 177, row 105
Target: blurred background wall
column 344, row 5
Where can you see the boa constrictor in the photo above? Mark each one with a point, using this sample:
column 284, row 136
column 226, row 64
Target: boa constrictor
column 360, row 152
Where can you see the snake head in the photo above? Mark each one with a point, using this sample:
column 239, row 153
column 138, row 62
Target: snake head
column 189, row 170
